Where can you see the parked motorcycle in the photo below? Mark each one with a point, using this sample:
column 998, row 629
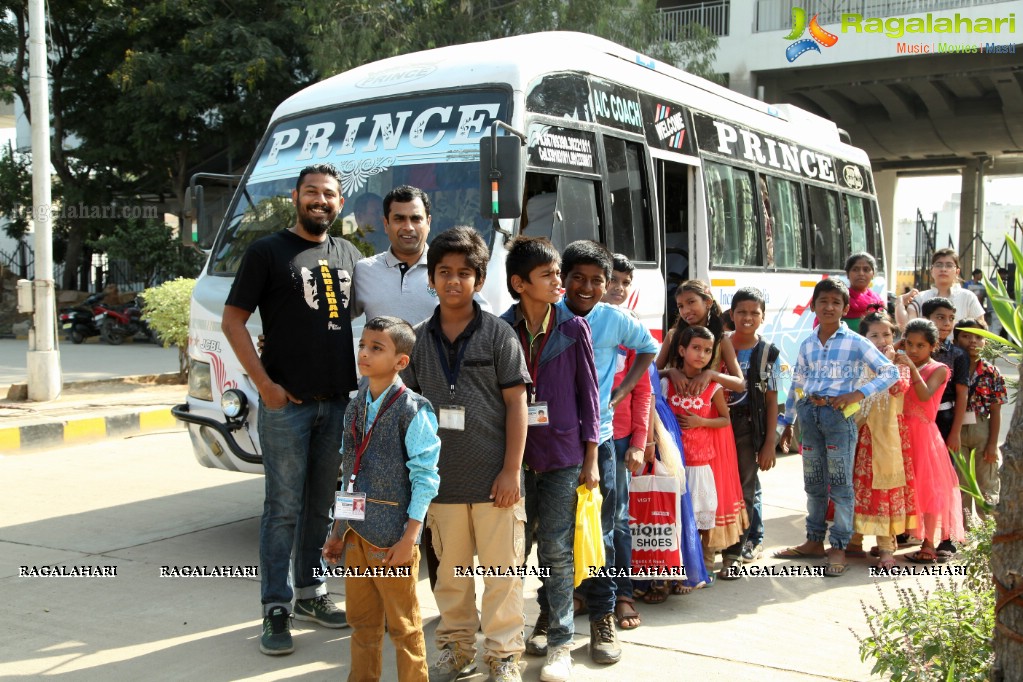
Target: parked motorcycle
column 82, row 321
column 119, row 323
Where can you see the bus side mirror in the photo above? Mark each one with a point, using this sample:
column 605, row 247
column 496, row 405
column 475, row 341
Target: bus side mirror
column 502, row 165
column 193, row 217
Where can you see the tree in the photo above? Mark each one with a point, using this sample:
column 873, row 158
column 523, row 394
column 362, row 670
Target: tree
column 372, row 31
column 151, row 249
column 15, row 192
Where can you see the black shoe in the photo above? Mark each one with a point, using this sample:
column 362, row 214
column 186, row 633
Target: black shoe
column 946, row 546
column 604, row 646
column 276, row 639
column 536, row 643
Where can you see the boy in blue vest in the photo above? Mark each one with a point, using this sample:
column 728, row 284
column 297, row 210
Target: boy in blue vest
column 389, row 476
column 564, row 424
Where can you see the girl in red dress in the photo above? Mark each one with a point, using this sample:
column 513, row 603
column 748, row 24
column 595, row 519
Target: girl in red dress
column 712, row 468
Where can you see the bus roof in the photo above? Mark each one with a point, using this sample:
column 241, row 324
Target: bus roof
column 537, row 54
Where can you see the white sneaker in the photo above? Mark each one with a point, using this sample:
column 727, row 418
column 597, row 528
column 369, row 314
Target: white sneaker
column 558, row 667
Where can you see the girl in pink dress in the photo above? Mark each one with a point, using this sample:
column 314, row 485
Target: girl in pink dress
column 939, row 506
column 712, row 467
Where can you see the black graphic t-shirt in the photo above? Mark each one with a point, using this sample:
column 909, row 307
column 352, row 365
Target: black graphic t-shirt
column 302, row 290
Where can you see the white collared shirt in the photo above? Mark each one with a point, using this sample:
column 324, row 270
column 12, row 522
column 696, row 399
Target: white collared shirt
column 380, row 288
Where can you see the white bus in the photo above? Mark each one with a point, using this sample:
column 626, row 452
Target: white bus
column 686, row 178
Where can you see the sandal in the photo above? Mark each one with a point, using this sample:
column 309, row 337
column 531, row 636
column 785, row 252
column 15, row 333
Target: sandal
column 835, row 570
column 924, row 555
column 886, row 562
column 680, row 588
column 726, row 564
column 658, row 593
column 625, row 613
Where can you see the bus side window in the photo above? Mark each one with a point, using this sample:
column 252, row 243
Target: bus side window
column 858, row 224
column 627, row 184
column 733, row 216
column 561, row 208
column 786, row 205
column 829, row 244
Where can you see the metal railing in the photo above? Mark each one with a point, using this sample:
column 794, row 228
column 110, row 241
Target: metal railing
column 711, row 15
column 776, row 15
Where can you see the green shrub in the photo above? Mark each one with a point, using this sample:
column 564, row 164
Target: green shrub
column 942, row 634
column 166, row 309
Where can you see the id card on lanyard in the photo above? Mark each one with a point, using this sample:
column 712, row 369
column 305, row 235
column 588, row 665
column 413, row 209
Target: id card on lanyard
column 538, row 414
column 350, row 504
column 451, row 417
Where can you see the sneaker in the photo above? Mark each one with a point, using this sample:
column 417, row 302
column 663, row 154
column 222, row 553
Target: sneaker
column 558, row 667
column 451, row 665
column 505, row 670
column 604, row 640
column 320, row 610
column 536, row 643
column 276, row 639
column 751, row 552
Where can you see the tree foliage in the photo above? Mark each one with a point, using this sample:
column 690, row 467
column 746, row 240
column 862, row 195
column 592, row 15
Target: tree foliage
column 151, row 249
column 146, row 94
column 15, row 192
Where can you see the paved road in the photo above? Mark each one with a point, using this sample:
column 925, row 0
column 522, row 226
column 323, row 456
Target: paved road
column 89, row 361
column 143, row 503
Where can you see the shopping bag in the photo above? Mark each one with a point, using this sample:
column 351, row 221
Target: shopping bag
column 654, row 519
column 589, row 540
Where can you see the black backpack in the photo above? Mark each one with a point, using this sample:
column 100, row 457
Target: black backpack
column 757, row 376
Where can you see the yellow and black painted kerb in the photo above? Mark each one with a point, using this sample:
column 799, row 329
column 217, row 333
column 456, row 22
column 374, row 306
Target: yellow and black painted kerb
column 72, row 431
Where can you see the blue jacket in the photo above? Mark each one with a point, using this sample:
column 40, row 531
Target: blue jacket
column 567, row 381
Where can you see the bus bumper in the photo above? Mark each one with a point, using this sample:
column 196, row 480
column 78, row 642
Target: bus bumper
column 214, row 443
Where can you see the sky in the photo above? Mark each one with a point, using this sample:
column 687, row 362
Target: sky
column 929, row 194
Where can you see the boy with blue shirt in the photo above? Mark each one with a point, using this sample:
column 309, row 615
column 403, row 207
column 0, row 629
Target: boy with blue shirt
column 586, row 269
column 824, row 395
column 561, row 445
column 389, row 475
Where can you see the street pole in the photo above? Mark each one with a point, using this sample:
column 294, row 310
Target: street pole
column 44, row 380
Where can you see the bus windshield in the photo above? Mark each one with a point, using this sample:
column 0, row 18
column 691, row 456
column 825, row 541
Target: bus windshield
column 430, row 142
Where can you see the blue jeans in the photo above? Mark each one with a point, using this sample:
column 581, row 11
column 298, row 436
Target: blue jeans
column 600, row 591
column 622, row 534
column 555, row 498
column 301, row 457
column 829, row 443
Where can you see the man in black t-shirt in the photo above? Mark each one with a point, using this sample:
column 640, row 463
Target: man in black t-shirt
column 300, row 281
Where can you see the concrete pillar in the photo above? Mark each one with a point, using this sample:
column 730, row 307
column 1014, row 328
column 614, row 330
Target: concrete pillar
column 884, row 184
column 968, row 217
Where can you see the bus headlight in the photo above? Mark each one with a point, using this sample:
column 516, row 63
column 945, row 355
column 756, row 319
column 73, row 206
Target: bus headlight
column 234, row 403
column 199, row 386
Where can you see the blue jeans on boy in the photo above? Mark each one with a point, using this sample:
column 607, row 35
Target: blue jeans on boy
column 555, row 499
column 600, row 591
column 301, row 457
column 829, row 444
column 622, row 534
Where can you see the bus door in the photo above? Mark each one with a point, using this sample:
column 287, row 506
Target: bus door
column 677, row 210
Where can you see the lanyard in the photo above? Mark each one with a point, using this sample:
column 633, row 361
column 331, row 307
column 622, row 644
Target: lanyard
column 449, row 373
column 363, row 443
column 533, row 364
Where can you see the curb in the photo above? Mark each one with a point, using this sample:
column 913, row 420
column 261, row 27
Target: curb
column 20, row 439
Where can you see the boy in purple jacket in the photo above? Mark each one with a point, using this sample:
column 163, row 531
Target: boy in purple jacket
column 561, row 446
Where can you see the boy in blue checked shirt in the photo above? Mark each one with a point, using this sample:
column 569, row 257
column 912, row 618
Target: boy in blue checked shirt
column 586, row 268
column 824, row 396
